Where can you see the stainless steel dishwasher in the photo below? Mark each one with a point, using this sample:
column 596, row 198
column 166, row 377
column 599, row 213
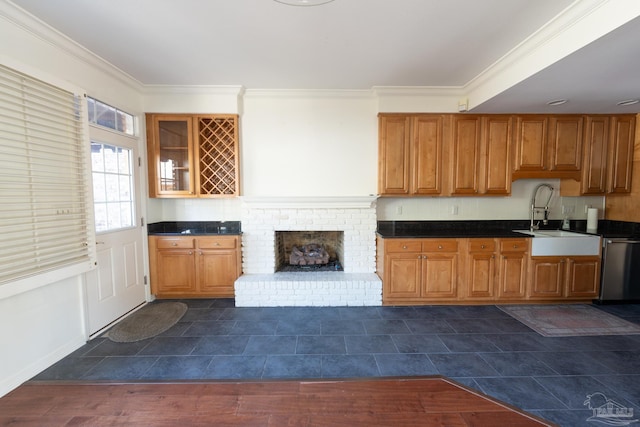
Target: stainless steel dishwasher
column 620, row 271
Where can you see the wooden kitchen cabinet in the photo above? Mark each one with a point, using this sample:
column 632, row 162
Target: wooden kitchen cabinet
column 194, row 266
column 420, row 270
column 607, row 159
column 193, row 155
column 465, row 158
column 553, row 277
column 481, row 272
column 496, row 158
column 583, row 277
column 548, row 146
column 512, row 268
column 410, row 154
column 481, row 155
column 620, row 154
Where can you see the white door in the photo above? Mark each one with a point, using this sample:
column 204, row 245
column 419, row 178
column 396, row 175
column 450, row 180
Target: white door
column 116, row 286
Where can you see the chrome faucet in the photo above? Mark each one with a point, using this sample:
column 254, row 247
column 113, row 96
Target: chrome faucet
column 544, row 209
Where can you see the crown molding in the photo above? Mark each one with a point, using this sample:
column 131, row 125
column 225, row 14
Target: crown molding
column 576, row 26
column 39, row 29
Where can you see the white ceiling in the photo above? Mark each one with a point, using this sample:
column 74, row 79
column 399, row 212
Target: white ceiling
column 348, row 44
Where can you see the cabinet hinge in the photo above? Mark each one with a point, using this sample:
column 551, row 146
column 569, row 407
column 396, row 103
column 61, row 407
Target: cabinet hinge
column 142, row 222
column 139, row 161
column 144, row 279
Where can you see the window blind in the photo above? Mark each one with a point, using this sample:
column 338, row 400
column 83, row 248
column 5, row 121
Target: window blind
column 45, row 211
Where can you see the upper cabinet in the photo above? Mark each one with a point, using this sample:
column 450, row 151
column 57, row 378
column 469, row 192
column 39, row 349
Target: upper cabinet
column 481, row 155
column 548, row 146
column 410, row 154
column 193, row 155
column 607, row 157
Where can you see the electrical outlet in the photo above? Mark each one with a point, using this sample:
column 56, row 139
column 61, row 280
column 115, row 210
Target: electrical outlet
column 454, row 210
column 399, row 210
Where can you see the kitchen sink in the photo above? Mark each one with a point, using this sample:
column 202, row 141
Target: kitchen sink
column 562, row 243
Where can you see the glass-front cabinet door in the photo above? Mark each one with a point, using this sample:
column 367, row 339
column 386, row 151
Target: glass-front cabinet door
column 171, row 172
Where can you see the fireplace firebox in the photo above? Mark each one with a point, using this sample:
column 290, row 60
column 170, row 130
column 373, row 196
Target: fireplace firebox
column 302, row 251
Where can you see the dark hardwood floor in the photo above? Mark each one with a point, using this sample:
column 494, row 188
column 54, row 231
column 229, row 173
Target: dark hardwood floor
column 415, row 401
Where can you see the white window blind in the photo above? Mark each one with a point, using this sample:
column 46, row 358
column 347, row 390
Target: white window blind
column 45, row 203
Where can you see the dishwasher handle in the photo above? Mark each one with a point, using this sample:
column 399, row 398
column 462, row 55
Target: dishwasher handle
column 609, row 241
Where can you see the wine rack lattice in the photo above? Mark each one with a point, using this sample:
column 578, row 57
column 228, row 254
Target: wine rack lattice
column 218, row 156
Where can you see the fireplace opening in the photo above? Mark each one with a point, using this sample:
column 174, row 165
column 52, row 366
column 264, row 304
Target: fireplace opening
column 301, row 251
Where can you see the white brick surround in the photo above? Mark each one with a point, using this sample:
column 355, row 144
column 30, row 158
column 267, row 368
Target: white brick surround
column 260, row 285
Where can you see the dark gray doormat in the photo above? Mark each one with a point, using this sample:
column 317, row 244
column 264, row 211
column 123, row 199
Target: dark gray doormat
column 149, row 321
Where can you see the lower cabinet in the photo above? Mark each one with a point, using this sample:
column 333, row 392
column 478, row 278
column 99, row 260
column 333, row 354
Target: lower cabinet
column 420, row 270
column 468, row 270
column 481, row 269
column 556, row 277
column 195, row 266
column 512, row 276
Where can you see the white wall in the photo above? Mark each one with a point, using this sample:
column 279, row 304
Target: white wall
column 309, row 143
column 41, row 326
column 515, row 206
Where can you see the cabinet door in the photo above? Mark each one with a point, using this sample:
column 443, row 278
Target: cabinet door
column 594, row 169
column 175, row 272
column 216, row 272
column 583, row 277
column 393, row 154
column 531, row 144
column 512, row 275
column 439, row 275
column 547, row 277
column 402, row 276
column 621, row 154
column 481, row 275
column 481, row 268
column 426, row 147
column 170, row 150
column 465, row 155
column 565, row 143
column 218, row 171
column 495, row 173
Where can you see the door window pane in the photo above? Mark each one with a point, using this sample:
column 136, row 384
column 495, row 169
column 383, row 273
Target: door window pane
column 112, row 186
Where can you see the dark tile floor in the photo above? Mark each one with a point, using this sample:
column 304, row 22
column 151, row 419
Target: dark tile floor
column 479, row 346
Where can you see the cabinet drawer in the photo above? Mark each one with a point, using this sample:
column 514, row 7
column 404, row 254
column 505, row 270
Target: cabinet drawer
column 449, row 245
column 514, row 245
column 403, row 246
column 217, row 242
column 175, row 243
column 482, row 245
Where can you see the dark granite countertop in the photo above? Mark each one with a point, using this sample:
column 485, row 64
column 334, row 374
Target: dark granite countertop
column 451, row 229
column 496, row 229
column 181, row 228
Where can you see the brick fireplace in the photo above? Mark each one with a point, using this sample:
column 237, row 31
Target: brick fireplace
column 353, row 217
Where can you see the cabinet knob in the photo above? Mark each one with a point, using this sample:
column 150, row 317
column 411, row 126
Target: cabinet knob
column 404, row 247
column 439, row 246
column 174, row 244
column 515, row 246
column 482, row 246
column 190, row 253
